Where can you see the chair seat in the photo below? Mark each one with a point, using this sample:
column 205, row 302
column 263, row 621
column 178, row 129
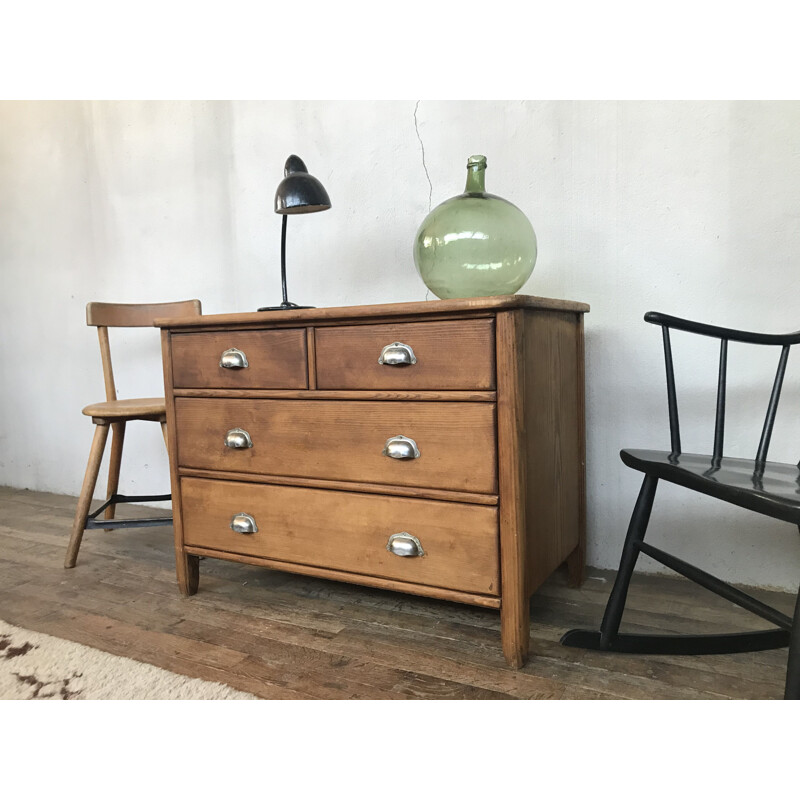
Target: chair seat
column 772, row 489
column 136, row 408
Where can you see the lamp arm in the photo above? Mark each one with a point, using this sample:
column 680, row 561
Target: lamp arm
column 283, row 259
column 285, row 304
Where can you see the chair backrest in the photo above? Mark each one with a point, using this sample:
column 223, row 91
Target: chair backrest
column 130, row 315
column 725, row 335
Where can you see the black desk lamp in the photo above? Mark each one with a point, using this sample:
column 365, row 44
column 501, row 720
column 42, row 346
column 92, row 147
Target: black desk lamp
column 297, row 193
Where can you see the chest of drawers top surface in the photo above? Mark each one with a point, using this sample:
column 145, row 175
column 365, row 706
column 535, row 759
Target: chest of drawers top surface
column 385, row 311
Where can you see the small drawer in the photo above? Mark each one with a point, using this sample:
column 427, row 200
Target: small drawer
column 424, row 444
column 274, row 359
column 457, row 354
column 452, row 545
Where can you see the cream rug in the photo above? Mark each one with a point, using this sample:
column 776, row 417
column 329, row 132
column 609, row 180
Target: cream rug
column 34, row 666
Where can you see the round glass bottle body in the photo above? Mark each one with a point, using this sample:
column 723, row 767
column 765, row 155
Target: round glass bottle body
column 475, row 244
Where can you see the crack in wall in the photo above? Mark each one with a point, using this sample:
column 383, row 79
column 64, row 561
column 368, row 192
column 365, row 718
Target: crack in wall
column 422, row 148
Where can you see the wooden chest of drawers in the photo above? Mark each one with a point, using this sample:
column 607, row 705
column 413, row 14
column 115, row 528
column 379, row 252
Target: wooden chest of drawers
column 434, row 448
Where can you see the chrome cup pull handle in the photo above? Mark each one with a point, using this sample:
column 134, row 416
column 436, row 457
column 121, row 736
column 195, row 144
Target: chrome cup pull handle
column 397, row 354
column 404, row 545
column 243, row 523
column 401, row 447
column 238, row 439
column 233, row 359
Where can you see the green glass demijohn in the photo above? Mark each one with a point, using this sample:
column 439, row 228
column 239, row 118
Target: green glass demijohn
column 475, row 244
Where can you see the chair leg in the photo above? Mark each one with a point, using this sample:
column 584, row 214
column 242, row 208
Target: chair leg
column 164, row 432
column 630, row 552
column 793, row 667
column 87, row 490
column 117, row 441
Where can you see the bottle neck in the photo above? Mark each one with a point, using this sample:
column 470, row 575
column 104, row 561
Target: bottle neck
column 476, row 175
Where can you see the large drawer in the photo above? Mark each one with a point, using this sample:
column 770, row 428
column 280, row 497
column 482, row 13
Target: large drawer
column 457, row 354
column 347, row 531
column 274, row 359
column 343, row 440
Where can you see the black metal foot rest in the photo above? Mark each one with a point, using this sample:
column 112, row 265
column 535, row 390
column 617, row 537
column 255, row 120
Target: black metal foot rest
column 679, row 645
column 92, row 522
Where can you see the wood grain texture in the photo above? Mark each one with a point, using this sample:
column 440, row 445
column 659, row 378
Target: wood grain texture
column 476, row 443
column 282, row 635
column 114, row 466
column 311, row 359
column 452, row 595
column 131, row 408
column 138, row 315
column 343, row 440
column 85, row 497
column 347, row 531
column 512, row 466
column 576, row 561
column 466, row 306
column 553, row 448
column 341, row 394
column 165, row 435
column 276, row 358
column 425, row 493
column 108, row 367
column 114, row 411
column 187, row 566
column 450, row 355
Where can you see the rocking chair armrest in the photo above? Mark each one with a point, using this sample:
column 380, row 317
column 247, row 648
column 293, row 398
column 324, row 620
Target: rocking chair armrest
column 667, row 321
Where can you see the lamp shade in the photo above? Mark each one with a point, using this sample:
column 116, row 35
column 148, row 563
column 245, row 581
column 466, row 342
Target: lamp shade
column 299, row 192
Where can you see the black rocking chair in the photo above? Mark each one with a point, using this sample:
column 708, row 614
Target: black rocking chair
column 762, row 486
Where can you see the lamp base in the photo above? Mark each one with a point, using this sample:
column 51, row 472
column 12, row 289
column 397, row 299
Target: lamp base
column 283, row 307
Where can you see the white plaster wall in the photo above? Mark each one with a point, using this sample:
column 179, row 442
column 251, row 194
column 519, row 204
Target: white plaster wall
column 685, row 207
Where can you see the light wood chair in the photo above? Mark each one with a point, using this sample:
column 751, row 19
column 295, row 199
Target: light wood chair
column 114, row 414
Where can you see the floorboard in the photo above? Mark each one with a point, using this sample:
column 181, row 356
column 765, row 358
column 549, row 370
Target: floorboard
column 283, row 636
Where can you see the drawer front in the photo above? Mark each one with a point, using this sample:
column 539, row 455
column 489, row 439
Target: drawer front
column 343, row 440
column 273, row 359
column 453, row 355
column 347, row 531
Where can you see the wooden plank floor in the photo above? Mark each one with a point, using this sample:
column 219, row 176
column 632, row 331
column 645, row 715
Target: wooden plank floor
column 286, row 636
